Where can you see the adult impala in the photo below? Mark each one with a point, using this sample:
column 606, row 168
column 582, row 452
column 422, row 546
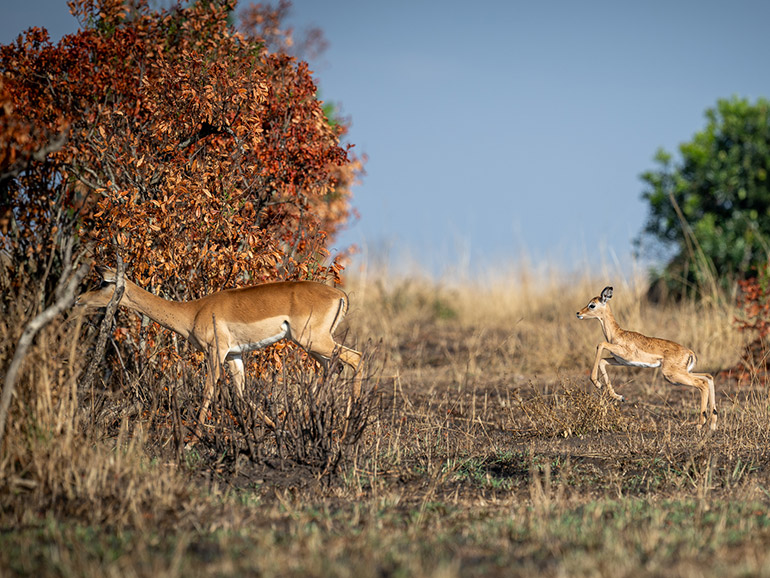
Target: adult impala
column 229, row 323
column 634, row 349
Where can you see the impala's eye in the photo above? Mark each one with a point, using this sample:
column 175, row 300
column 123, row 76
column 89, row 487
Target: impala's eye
column 592, row 306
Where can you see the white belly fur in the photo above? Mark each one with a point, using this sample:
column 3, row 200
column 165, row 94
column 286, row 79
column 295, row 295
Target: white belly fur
column 622, row 361
column 237, row 350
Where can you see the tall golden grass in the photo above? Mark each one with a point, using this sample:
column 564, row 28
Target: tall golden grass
column 533, row 313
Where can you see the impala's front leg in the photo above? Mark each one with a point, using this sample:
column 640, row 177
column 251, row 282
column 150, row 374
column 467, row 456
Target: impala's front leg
column 212, row 377
column 600, row 364
column 597, row 363
column 238, row 374
column 603, row 367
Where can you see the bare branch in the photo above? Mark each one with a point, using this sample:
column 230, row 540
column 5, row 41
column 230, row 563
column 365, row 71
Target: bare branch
column 65, row 300
column 104, row 329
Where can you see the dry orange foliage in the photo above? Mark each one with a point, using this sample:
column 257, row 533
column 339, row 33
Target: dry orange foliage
column 174, row 139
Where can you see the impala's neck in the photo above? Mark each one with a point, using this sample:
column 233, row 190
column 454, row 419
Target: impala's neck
column 610, row 327
column 172, row 315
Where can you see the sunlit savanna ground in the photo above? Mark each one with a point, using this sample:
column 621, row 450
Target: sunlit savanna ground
column 488, row 452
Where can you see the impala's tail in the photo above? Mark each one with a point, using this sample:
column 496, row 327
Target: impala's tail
column 342, row 310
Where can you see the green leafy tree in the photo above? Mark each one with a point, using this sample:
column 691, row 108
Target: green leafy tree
column 710, row 212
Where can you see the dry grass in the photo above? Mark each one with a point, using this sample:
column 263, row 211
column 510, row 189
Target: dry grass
column 480, row 449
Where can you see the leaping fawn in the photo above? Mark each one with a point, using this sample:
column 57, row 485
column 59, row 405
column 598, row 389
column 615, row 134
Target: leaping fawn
column 636, row 350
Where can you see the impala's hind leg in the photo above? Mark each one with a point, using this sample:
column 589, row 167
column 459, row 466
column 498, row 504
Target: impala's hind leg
column 702, row 382
column 324, row 349
column 712, row 397
column 352, row 358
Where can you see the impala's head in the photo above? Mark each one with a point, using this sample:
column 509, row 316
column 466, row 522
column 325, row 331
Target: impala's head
column 596, row 306
column 101, row 296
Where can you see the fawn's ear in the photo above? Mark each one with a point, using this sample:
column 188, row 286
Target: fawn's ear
column 108, row 275
column 606, row 294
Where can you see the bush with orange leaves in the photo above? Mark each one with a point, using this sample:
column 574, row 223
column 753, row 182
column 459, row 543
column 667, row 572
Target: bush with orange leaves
column 172, row 138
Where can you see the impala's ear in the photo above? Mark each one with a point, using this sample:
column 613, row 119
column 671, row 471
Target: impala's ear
column 108, row 275
column 606, row 294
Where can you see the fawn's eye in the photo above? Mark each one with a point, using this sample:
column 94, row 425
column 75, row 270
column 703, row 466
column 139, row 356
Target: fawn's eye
column 592, row 306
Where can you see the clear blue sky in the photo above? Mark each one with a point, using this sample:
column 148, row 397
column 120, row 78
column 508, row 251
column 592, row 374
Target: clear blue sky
column 497, row 129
